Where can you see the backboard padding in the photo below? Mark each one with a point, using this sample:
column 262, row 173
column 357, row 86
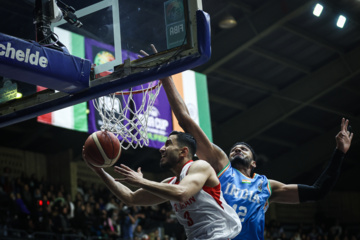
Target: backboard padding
column 195, row 52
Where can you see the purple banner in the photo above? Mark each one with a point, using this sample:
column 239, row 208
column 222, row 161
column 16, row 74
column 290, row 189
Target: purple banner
column 160, row 118
column 160, row 123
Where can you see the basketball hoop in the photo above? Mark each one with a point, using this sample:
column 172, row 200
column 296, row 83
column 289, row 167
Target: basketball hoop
column 126, row 113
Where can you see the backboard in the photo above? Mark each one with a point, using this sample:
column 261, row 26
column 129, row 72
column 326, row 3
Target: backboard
column 111, row 36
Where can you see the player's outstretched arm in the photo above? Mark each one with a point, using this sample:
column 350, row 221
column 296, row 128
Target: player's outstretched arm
column 139, row 197
column 295, row 193
column 205, row 149
column 197, row 176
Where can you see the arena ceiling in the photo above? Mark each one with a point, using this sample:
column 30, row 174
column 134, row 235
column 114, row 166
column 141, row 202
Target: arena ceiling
column 281, row 80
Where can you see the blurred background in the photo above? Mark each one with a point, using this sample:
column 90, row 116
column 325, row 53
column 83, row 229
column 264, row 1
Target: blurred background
column 281, row 77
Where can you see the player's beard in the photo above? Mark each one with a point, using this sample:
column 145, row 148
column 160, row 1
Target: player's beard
column 168, row 164
column 240, row 160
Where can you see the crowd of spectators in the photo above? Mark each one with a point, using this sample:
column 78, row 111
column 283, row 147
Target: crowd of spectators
column 32, row 205
column 323, row 231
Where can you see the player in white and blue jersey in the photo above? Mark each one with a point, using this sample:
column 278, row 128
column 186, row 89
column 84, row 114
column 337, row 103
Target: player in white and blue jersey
column 248, row 193
column 249, row 196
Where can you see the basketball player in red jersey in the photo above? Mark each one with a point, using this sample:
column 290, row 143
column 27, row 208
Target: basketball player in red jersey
column 194, row 192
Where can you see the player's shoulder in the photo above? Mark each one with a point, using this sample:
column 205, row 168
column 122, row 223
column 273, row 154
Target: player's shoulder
column 259, row 176
column 200, row 164
column 201, row 167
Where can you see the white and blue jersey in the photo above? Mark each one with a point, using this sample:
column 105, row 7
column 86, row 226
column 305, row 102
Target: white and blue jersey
column 249, row 198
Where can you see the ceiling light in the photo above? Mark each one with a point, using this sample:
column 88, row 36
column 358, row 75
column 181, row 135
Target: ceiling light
column 341, row 21
column 318, row 9
column 18, row 95
column 228, row 22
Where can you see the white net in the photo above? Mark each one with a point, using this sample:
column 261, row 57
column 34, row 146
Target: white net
column 126, row 113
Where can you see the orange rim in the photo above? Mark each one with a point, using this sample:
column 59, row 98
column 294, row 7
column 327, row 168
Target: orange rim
column 139, row 91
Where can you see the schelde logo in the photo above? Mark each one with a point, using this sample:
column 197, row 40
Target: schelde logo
column 23, row 56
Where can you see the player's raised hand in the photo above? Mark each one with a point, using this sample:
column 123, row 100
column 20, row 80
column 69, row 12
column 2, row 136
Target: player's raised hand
column 145, row 53
column 155, row 51
column 344, row 137
column 129, row 175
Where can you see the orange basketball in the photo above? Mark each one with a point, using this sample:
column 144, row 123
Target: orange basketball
column 102, row 149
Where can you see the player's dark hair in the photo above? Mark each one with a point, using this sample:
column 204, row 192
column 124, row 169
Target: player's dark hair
column 186, row 140
column 248, row 146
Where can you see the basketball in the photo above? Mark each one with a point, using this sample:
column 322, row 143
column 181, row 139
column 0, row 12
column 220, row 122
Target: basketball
column 102, row 149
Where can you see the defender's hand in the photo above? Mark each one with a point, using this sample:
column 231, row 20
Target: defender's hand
column 344, row 137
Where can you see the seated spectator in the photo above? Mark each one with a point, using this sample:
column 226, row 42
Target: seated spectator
column 139, row 232
column 115, row 227
column 336, row 229
column 60, row 222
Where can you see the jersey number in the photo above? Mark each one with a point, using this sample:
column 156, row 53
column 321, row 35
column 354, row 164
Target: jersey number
column 241, row 212
column 190, row 222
